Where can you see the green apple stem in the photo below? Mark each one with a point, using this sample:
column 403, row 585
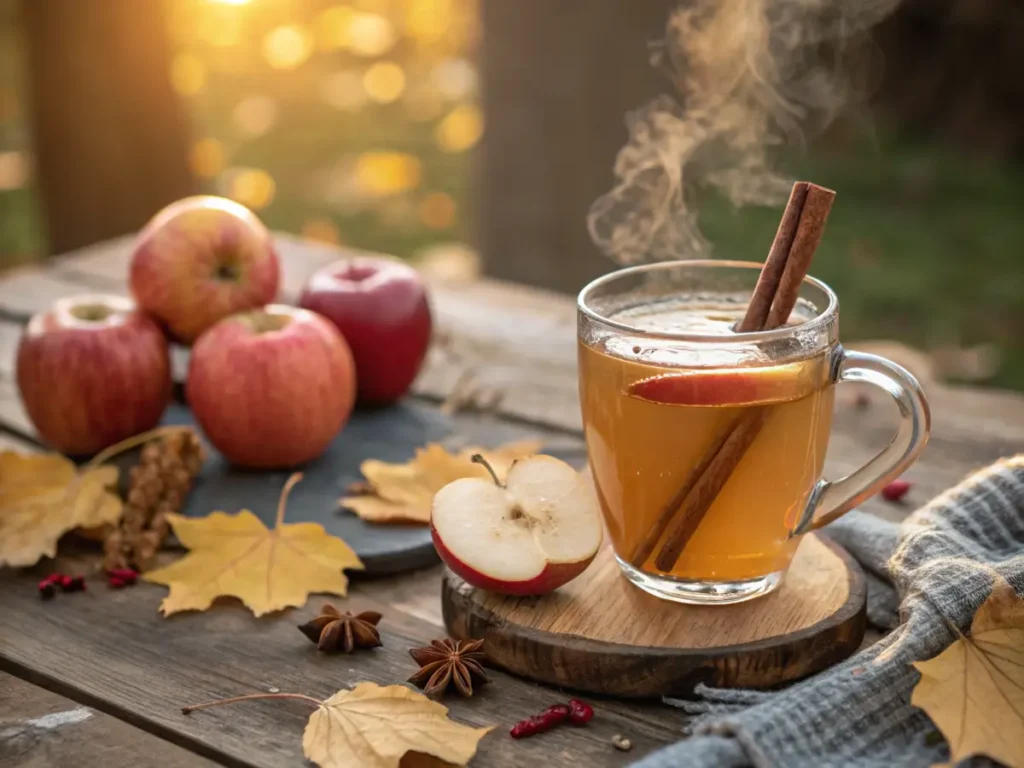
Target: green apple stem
column 476, row 458
column 283, row 502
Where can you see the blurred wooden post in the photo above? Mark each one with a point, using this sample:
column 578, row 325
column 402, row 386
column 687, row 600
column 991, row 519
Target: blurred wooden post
column 109, row 133
column 558, row 77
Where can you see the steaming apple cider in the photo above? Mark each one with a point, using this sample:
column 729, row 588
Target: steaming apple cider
column 652, row 411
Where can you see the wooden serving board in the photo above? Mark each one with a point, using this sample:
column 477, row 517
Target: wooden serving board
column 601, row 634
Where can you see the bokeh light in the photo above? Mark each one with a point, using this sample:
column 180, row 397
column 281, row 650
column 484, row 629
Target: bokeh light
column 379, row 174
column 321, row 230
column 333, row 28
column 206, row 159
column 287, row 47
column 371, row 35
column 188, row 74
column 437, row 210
column 14, row 170
column 232, row 2
column 427, row 20
column 456, row 79
column 460, row 129
column 252, row 187
column 254, row 116
column 384, row 82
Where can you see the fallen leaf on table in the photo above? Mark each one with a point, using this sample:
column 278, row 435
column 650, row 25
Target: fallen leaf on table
column 43, row 496
column 404, row 492
column 266, row 568
column 974, row 690
column 372, row 726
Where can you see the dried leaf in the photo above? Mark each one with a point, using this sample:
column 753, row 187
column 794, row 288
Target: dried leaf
column 43, row 496
column 404, row 492
column 266, row 568
column 373, row 727
column 974, row 690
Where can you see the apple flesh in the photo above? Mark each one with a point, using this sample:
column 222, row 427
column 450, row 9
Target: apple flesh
column 201, row 259
column 380, row 306
column 727, row 387
column 93, row 371
column 538, row 531
column 271, row 388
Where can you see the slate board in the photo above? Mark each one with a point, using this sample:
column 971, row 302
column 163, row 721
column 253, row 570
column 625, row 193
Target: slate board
column 389, row 434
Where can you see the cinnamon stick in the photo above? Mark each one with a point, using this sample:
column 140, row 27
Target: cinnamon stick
column 774, row 297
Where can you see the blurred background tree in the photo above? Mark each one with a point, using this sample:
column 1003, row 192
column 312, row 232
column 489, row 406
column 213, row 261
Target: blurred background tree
column 362, row 122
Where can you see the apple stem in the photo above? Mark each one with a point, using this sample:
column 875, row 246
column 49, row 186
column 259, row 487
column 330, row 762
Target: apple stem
column 283, row 502
column 133, row 441
column 219, row 702
column 477, row 458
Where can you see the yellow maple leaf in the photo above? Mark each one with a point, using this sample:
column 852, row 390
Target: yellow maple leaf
column 268, row 569
column 974, row 690
column 373, row 727
column 43, row 496
column 404, row 492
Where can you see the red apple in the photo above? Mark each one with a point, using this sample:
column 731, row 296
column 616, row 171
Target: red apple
column 201, row 259
column 538, row 531
column 380, row 306
column 271, row 387
column 92, row 371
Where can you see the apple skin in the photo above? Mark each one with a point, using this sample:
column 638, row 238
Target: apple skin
column 380, row 306
column 88, row 384
column 201, row 259
column 548, row 580
column 271, row 388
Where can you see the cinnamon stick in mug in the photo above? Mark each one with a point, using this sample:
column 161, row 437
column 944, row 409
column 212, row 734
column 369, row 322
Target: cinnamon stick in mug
column 774, row 298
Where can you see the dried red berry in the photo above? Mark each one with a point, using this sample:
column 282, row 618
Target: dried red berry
column 580, row 713
column 53, row 578
column 127, row 576
column 72, row 583
column 896, row 490
column 47, row 589
column 115, row 583
column 545, row 721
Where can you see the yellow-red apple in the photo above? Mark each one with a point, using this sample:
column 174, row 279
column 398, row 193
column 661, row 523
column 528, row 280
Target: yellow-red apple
column 92, row 371
column 201, row 259
column 271, row 387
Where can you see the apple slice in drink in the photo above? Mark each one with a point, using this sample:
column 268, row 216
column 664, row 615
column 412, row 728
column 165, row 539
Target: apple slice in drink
column 729, row 387
column 528, row 536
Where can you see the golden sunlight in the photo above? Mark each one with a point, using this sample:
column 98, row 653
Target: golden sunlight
column 231, row 2
column 460, row 129
column 287, row 47
column 386, row 173
column 384, row 82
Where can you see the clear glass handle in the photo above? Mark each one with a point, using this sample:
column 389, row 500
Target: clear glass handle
column 829, row 500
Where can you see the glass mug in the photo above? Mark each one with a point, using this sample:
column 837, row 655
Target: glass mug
column 707, row 446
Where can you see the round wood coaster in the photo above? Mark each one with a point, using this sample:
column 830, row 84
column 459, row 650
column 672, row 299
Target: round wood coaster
column 601, row 634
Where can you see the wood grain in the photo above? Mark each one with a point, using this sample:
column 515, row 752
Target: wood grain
column 40, row 729
column 601, row 634
column 111, row 651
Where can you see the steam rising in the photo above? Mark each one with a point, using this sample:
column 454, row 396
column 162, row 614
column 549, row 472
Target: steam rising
column 751, row 75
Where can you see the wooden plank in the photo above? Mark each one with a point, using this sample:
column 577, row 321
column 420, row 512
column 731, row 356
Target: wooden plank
column 40, row 729
column 112, row 651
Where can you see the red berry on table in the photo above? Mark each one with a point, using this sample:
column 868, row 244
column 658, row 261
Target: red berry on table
column 47, row 589
column 580, row 713
column 896, row 490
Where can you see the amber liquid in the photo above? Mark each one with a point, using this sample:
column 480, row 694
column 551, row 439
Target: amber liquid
column 641, row 450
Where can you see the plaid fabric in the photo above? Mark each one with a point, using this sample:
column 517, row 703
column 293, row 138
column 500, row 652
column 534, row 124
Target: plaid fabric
column 936, row 568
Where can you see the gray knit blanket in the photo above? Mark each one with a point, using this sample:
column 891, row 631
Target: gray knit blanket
column 925, row 575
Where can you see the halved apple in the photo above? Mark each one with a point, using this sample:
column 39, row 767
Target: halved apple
column 528, row 536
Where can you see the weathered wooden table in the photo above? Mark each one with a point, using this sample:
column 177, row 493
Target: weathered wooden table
column 100, row 679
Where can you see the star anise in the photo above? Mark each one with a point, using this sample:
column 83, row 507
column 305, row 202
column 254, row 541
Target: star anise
column 333, row 630
column 446, row 661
